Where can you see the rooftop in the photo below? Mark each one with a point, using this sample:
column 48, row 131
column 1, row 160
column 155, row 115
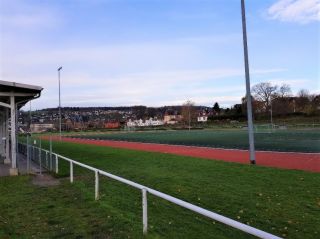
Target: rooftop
column 22, row 92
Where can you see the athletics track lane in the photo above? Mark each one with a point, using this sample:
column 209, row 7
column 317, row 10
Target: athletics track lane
column 287, row 160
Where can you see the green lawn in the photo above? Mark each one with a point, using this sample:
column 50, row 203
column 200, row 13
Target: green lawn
column 283, row 202
column 281, row 140
column 64, row 211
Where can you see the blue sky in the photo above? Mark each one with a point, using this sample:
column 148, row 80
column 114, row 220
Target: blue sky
column 157, row 52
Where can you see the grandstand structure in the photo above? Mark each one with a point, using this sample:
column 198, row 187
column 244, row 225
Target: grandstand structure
column 13, row 96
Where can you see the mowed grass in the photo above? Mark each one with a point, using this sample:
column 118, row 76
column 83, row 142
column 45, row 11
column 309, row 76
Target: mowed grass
column 64, row 211
column 280, row 140
column 282, row 202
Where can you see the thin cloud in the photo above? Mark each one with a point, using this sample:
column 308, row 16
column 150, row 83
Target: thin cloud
column 149, row 88
column 29, row 21
column 19, row 15
column 295, row 83
column 300, row 11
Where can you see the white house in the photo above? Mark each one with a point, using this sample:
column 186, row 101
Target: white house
column 140, row 123
column 202, row 118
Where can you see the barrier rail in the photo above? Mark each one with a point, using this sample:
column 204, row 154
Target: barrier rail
column 51, row 163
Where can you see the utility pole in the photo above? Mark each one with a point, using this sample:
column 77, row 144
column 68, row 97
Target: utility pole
column 249, row 101
column 59, row 69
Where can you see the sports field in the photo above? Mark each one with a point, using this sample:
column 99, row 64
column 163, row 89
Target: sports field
column 282, row 202
column 280, row 140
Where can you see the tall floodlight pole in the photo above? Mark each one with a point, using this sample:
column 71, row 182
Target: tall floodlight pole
column 59, row 69
column 249, row 101
column 271, row 120
column 189, row 116
column 30, row 118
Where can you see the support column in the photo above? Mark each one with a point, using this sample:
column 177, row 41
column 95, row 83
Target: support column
column 7, row 159
column 13, row 169
column 2, row 135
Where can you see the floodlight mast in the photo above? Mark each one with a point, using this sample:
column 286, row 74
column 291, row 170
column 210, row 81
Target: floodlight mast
column 59, row 69
column 30, row 118
column 248, row 93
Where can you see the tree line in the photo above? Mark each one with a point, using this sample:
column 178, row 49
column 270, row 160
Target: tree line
column 268, row 98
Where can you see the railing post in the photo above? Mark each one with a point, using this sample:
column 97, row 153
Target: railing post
column 34, row 153
column 47, row 160
column 40, row 159
column 50, row 152
column 71, row 172
column 57, row 164
column 144, row 211
column 96, row 185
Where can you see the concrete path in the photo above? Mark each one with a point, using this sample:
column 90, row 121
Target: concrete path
column 22, row 166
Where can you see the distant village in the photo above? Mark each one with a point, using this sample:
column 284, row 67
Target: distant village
column 111, row 117
column 267, row 101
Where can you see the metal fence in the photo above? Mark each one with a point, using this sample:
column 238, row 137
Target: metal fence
column 48, row 160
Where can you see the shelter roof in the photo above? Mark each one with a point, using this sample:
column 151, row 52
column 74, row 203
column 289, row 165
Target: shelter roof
column 22, row 92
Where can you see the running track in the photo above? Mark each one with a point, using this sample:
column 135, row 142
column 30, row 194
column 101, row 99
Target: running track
column 302, row 161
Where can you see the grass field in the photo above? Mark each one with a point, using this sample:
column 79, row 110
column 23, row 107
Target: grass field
column 283, row 202
column 281, row 140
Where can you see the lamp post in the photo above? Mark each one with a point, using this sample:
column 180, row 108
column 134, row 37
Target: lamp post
column 30, row 118
column 59, row 69
column 272, row 97
column 249, row 103
column 189, row 116
column 271, row 113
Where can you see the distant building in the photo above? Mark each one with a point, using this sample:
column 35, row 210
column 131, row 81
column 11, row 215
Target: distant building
column 153, row 122
column 203, row 116
column 112, row 125
column 141, row 123
column 37, row 128
column 131, row 123
column 172, row 118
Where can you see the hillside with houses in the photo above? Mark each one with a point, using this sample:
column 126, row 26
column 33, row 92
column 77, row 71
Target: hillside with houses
column 277, row 105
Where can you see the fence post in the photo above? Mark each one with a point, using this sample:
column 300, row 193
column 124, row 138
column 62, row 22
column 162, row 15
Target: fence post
column 57, row 164
column 71, row 172
column 96, row 185
column 144, row 211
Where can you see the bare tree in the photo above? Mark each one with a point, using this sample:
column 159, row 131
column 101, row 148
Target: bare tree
column 315, row 104
column 303, row 93
column 189, row 113
column 285, row 91
column 303, row 100
column 280, row 100
column 264, row 92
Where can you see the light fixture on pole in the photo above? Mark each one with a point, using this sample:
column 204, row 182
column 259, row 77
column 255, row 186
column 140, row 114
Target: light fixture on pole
column 248, row 95
column 59, row 69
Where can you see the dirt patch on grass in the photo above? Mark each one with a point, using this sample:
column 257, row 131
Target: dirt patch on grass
column 45, row 180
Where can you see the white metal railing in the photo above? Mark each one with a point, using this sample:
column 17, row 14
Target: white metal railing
column 32, row 152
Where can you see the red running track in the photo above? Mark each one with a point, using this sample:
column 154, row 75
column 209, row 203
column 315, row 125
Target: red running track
column 287, row 160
